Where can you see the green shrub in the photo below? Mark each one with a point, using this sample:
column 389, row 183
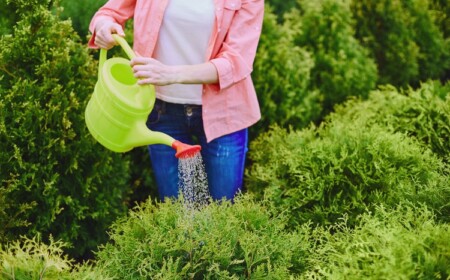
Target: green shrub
column 402, row 244
column 7, row 18
column 280, row 7
column 403, row 39
column 32, row 259
column 222, row 241
column 282, row 79
column 342, row 67
column 423, row 113
column 441, row 10
column 80, row 13
column 54, row 176
column 344, row 167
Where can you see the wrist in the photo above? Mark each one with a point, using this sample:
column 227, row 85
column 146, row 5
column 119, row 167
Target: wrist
column 178, row 74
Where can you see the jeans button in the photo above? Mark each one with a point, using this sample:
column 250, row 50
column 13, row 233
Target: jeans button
column 189, row 111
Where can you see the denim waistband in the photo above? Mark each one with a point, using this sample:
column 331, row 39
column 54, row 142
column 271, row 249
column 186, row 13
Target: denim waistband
column 177, row 109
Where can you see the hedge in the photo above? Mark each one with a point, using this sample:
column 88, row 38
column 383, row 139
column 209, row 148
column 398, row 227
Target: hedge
column 55, row 179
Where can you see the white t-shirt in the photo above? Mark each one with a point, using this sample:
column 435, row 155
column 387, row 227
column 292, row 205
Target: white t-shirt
column 183, row 40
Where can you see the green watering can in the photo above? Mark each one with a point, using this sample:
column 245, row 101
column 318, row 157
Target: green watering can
column 117, row 112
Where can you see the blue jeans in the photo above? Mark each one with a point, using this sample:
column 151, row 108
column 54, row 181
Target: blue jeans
column 224, row 157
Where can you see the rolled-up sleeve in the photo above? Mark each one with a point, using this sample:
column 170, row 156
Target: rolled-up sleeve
column 234, row 61
column 118, row 11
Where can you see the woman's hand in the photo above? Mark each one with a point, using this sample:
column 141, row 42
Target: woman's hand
column 103, row 31
column 151, row 71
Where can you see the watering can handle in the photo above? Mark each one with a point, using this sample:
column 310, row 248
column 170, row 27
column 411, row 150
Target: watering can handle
column 123, row 43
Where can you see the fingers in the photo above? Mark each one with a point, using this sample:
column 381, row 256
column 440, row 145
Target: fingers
column 145, row 82
column 103, row 38
column 151, row 71
column 117, row 28
column 140, row 60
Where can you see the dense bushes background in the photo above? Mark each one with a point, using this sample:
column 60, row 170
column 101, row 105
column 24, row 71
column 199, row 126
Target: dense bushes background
column 282, row 74
column 80, row 13
column 54, row 178
column 346, row 165
column 404, row 39
column 348, row 175
column 342, row 66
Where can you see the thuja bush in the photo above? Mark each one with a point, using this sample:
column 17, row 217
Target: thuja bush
column 403, row 38
column 244, row 240
column 282, row 78
column 54, row 177
column 80, row 13
column 423, row 113
column 30, row 258
column 7, row 18
column 441, row 9
column 404, row 243
column 280, row 7
column 318, row 174
column 342, row 67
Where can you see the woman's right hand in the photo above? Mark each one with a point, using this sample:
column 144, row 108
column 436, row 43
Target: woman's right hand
column 103, row 31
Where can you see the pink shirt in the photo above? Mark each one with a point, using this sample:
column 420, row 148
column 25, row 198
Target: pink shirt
column 230, row 105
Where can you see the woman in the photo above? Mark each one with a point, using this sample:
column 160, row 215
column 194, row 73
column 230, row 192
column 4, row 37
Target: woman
column 199, row 55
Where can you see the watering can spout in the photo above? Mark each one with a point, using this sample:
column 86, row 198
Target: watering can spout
column 185, row 150
column 145, row 137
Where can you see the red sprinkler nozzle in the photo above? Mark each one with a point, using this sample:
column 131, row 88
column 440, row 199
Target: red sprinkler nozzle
column 185, row 150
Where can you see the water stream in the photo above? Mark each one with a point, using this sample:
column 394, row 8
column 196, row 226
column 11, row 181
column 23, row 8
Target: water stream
column 193, row 182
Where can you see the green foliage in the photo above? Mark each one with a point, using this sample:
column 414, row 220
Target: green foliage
column 402, row 244
column 280, row 7
column 282, row 79
column 403, row 39
column 54, row 177
column 342, row 66
column 32, row 259
column 141, row 176
column 347, row 166
column 80, row 13
column 222, row 241
column 441, row 10
column 7, row 17
column 423, row 113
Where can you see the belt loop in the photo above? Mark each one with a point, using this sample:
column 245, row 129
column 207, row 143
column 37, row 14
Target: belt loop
column 163, row 106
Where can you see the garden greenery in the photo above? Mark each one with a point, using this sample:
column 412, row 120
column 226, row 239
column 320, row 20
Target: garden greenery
column 282, row 78
column 423, row 114
column 243, row 240
column 344, row 180
column 342, row 67
column 348, row 165
column 55, row 179
column 404, row 39
column 403, row 243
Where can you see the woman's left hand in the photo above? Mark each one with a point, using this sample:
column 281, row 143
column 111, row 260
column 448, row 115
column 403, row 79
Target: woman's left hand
column 151, row 71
